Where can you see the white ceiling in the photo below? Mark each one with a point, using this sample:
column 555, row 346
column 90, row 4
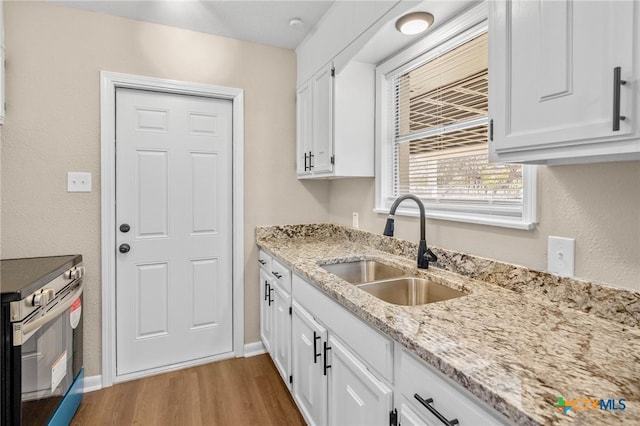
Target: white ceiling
column 259, row 21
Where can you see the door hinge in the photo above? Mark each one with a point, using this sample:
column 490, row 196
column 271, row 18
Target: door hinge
column 333, row 159
column 333, row 71
column 290, row 379
column 290, row 310
column 393, row 417
column 491, row 130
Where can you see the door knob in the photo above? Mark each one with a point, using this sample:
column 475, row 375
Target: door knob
column 124, row 248
column 125, row 227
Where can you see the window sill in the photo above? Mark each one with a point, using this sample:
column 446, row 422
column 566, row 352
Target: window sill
column 503, row 222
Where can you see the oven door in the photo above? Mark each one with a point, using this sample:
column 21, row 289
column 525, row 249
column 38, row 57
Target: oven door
column 50, row 356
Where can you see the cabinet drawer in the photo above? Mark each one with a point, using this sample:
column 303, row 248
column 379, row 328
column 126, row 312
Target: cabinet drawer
column 282, row 275
column 370, row 345
column 415, row 377
column 264, row 259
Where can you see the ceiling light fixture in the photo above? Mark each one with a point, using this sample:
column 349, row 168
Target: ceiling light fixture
column 414, row 23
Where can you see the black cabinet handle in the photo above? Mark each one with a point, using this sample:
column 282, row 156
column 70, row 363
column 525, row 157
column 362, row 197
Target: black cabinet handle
column 427, row 404
column 262, row 262
column 277, row 275
column 266, row 290
column 316, row 337
column 617, row 82
column 305, row 162
column 270, row 299
column 124, row 248
column 327, row 348
column 310, row 162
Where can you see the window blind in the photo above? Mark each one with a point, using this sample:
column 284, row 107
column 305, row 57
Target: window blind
column 440, row 135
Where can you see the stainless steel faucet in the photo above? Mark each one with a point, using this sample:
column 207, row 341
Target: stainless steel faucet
column 425, row 255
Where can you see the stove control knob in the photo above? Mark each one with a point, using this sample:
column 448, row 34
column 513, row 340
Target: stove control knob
column 44, row 297
column 76, row 273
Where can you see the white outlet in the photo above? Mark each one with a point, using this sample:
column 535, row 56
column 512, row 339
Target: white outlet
column 561, row 256
column 78, row 182
column 355, row 220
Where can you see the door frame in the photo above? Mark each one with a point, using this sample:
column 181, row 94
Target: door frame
column 109, row 82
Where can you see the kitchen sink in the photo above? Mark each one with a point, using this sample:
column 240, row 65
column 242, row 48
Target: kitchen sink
column 410, row 291
column 363, row 271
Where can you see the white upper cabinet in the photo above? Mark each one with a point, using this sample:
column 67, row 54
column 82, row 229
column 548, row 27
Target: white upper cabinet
column 553, row 94
column 335, row 123
column 322, row 123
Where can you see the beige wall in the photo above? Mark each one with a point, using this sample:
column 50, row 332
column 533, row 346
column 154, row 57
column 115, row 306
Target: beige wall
column 54, row 56
column 597, row 204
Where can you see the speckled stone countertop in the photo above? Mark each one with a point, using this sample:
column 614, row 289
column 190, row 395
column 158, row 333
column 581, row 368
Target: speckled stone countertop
column 516, row 351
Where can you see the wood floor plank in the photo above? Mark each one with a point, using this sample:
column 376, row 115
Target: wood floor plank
column 242, row 391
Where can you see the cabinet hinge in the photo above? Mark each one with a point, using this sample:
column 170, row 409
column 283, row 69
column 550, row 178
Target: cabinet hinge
column 393, row 417
column 491, row 130
column 333, row 71
column 290, row 310
column 333, row 159
column 290, row 379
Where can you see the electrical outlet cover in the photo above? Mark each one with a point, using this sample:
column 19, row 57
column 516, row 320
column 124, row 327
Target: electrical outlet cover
column 561, row 256
column 78, row 182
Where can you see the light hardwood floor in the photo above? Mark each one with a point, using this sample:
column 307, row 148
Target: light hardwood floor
column 242, row 391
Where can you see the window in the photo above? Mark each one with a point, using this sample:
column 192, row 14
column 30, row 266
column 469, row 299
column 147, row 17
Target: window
column 434, row 136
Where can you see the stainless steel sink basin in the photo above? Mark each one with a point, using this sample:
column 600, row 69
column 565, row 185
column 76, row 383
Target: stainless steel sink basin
column 363, row 271
column 410, row 291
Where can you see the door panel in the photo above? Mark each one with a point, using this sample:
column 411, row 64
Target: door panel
column 309, row 383
column 173, row 186
column 356, row 397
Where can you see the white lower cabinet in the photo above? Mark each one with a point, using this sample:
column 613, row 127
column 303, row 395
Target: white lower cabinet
column 310, row 384
column 281, row 342
column 341, row 371
column 356, row 397
column 266, row 309
column 427, row 398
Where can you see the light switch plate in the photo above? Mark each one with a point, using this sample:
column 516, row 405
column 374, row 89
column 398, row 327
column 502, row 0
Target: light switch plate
column 354, row 222
column 561, row 253
column 78, row 182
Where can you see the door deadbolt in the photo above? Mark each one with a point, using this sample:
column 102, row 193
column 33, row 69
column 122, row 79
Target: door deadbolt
column 124, row 248
column 125, row 227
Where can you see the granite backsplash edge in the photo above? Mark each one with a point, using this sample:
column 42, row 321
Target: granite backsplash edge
column 614, row 304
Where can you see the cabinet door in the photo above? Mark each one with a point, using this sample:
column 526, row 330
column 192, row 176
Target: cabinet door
column 309, row 383
column 266, row 309
column 552, row 74
column 356, row 397
column 281, row 342
column 304, row 121
column 322, row 131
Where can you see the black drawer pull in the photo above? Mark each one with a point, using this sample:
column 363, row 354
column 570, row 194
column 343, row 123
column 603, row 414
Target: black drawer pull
column 305, row 162
column 266, row 290
column 270, row 299
column 427, row 404
column 315, row 350
column 277, row 275
column 617, row 82
column 326, row 350
column 262, row 262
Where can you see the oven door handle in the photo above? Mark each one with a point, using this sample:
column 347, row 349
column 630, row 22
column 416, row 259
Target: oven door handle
column 21, row 332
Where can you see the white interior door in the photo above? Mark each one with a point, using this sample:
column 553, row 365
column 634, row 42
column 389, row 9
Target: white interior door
column 173, row 189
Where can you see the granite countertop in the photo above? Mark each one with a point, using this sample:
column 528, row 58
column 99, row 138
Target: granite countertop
column 517, row 352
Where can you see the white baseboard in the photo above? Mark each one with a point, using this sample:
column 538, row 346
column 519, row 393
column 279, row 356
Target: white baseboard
column 92, row 383
column 253, row 349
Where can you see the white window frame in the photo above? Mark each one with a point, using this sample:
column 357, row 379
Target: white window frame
column 469, row 24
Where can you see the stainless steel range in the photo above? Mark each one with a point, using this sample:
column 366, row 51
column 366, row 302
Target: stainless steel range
column 41, row 347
